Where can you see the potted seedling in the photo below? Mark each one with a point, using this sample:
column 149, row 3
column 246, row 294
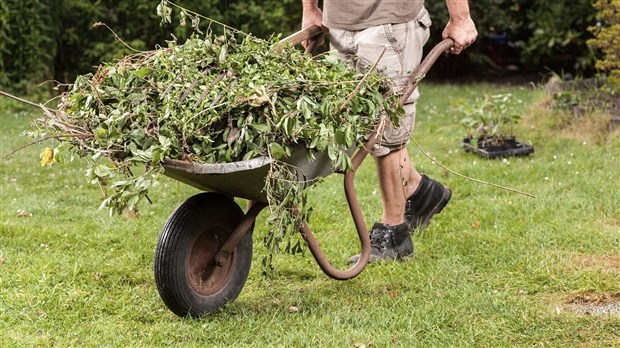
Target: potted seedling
column 489, row 123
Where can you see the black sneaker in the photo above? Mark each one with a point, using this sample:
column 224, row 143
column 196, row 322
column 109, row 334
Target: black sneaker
column 428, row 199
column 388, row 243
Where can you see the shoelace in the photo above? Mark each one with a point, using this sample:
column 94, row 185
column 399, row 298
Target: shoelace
column 378, row 239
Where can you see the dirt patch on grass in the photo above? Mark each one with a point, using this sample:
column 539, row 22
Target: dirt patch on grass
column 594, row 126
column 605, row 304
column 595, row 262
column 591, row 303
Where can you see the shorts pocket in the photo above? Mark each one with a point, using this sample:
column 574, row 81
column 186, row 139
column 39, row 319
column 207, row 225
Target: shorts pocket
column 424, row 19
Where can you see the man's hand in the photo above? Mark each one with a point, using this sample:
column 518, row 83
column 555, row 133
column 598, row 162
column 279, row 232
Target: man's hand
column 460, row 27
column 312, row 15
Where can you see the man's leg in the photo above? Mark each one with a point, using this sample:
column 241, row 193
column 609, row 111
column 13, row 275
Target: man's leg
column 390, row 239
column 403, row 190
column 398, row 179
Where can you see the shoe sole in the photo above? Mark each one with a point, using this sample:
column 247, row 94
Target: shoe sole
column 377, row 259
column 447, row 194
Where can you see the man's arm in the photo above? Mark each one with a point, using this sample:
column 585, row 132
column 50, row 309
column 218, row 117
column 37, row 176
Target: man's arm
column 460, row 27
column 312, row 14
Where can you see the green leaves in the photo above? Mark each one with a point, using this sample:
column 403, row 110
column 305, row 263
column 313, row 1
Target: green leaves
column 276, row 150
column 143, row 72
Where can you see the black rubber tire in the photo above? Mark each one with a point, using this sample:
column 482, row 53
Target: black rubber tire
column 187, row 244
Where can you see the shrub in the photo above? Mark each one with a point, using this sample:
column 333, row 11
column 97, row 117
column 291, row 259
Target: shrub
column 607, row 39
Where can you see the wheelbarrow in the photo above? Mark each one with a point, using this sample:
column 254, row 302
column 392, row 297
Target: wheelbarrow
column 204, row 251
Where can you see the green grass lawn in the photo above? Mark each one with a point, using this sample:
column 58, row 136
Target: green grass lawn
column 493, row 269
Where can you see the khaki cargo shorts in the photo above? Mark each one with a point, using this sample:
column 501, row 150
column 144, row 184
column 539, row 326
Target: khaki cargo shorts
column 404, row 43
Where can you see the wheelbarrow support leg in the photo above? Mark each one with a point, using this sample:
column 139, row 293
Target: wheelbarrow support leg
column 244, row 225
column 358, row 218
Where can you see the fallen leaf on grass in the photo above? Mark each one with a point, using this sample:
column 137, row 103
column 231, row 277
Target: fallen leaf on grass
column 293, row 309
column 476, row 224
column 393, row 293
column 22, row 213
column 131, row 214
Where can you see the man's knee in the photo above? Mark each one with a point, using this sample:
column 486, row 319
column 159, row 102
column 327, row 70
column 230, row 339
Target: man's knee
column 395, row 137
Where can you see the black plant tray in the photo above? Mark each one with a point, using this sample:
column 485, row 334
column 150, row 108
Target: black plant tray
column 510, row 147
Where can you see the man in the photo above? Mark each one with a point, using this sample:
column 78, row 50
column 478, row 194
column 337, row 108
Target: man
column 360, row 30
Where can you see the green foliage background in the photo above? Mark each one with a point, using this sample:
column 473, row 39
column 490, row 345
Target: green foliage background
column 28, row 34
column 55, row 39
column 543, row 34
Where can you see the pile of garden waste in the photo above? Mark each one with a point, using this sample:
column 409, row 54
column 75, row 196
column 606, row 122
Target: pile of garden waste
column 212, row 99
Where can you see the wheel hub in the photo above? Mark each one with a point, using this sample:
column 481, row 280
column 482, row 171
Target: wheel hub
column 205, row 277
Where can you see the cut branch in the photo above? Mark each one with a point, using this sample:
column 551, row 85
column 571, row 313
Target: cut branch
column 24, row 101
column 467, row 177
column 57, row 137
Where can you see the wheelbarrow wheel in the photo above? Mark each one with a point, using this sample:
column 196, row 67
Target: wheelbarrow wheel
column 187, row 278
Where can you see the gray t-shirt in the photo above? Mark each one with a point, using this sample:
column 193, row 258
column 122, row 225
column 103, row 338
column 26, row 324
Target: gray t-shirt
column 361, row 14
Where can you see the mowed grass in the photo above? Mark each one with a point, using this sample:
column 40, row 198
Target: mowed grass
column 493, row 269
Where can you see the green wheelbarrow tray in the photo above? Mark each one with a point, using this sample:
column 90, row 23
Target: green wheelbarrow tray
column 204, row 251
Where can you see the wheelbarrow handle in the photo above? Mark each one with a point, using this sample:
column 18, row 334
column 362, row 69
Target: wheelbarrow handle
column 311, row 32
column 424, row 67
